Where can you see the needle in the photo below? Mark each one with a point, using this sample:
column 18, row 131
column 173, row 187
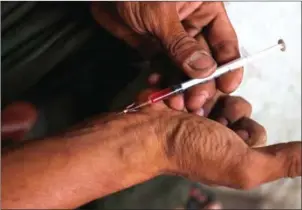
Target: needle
column 228, row 67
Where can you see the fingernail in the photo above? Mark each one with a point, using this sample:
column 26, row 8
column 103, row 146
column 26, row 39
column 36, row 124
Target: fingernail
column 201, row 61
column 200, row 112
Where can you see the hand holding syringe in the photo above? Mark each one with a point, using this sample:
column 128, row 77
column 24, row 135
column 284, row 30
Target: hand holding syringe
column 176, row 89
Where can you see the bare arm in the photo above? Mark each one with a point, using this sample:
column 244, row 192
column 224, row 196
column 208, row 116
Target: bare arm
column 69, row 170
column 113, row 153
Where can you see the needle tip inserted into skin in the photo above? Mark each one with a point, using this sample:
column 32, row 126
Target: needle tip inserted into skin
column 134, row 107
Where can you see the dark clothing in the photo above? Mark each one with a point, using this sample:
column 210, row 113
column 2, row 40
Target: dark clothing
column 36, row 37
column 49, row 47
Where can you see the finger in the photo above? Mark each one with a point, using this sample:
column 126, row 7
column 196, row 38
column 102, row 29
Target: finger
column 244, row 135
column 271, row 163
column 236, row 107
column 209, row 105
column 183, row 49
column 191, row 30
column 197, row 96
column 105, row 14
column 202, row 42
column 253, row 133
column 168, row 76
column 176, row 102
column 223, row 42
column 231, row 108
column 197, row 20
column 185, row 9
column 17, row 119
column 223, row 121
column 144, row 96
column 154, row 79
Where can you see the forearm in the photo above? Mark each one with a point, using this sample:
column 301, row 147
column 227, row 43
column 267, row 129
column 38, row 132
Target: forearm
column 66, row 171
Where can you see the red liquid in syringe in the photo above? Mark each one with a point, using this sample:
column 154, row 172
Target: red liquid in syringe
column 164, row 94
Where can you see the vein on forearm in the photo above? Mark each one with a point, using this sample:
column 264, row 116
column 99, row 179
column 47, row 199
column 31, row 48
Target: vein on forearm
column 65, row 171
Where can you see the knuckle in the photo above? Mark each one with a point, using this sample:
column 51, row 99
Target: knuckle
column 178, row 45
column 142, row 17
column 293, row 168
column 216, row 6
column 243, row 101
column 208, row 90
column 230, row 47
column 262, row 131
column 219, row 5
column 184, row 130
column 238, row 100
column 236, row 105
column 182, row 145
column 221, row 8
column 294, row 164
column 259, row 134
column 226, row 51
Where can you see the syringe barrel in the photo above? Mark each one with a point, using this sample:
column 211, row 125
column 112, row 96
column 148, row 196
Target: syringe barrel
column 233, row 65
column 165, row 93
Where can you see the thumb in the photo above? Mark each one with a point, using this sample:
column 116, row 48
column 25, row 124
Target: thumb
column 184, row 50
column 270, row 163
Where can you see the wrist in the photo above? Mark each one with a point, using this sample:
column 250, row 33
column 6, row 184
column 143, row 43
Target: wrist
column 88, row 162
column 125, row 153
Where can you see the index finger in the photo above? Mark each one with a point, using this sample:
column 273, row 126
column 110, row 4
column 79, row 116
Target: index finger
column 223, row 42
column 144, row 96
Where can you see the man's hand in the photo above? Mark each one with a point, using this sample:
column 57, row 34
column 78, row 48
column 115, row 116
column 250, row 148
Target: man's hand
column 111, row 153
column 227, row 152
column 197, row 36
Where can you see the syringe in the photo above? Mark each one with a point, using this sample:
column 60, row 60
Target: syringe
column 176, row 89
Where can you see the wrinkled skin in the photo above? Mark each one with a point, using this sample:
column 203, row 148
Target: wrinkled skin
column 223, row 150
column 197, row 36
column 226, row 150
column 202, row 149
